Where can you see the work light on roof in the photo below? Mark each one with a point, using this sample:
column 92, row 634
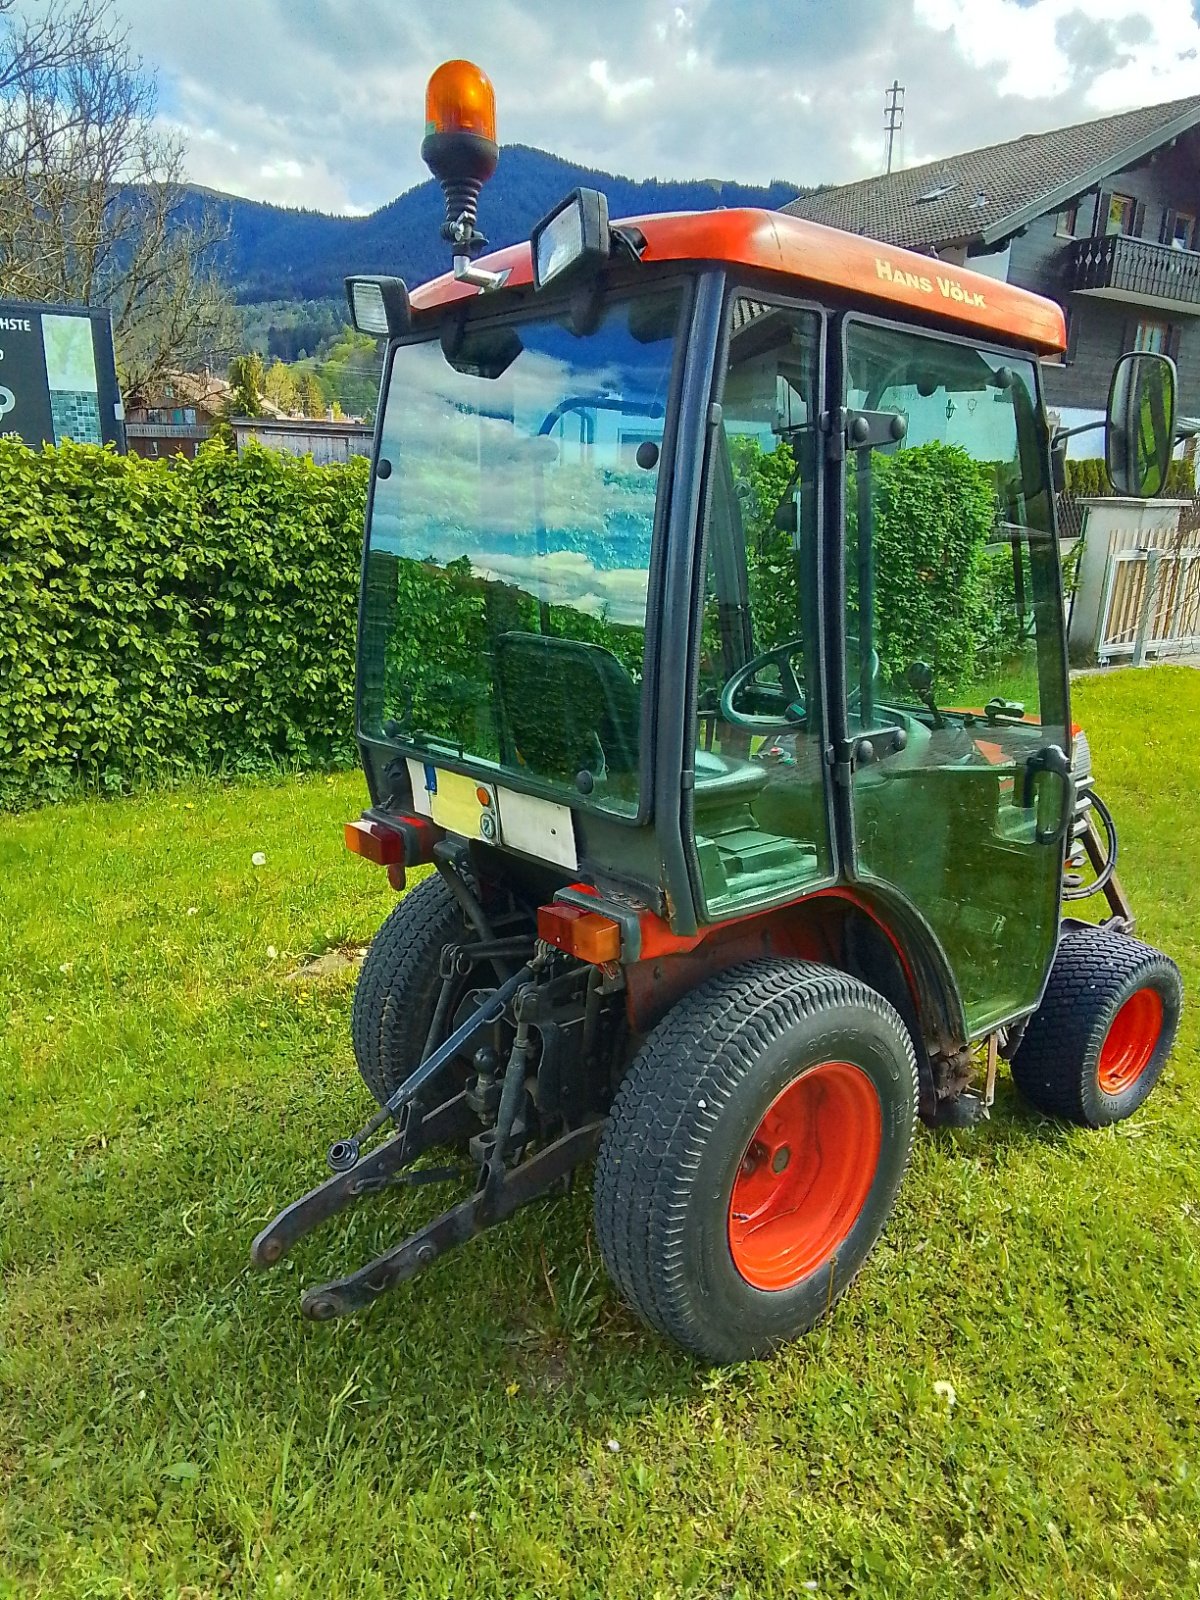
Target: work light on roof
column 378, row 306
column 574, row 237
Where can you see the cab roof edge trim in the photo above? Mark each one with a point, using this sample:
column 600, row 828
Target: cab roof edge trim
column 817, row 255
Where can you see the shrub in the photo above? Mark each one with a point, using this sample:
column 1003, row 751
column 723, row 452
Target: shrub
column 1087, row 478
column 163, row 617
column 943, row 592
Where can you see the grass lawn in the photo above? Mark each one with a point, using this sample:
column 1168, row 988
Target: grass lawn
column 169, row 1426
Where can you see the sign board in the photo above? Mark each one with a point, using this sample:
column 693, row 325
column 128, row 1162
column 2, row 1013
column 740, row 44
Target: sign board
column 58, row 375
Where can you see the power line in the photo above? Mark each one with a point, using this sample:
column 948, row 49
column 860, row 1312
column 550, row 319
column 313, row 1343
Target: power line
column 893, row 118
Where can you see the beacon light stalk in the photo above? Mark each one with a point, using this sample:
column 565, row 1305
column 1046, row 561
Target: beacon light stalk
column 460, row 150
column 573, row 239
column 378, row 306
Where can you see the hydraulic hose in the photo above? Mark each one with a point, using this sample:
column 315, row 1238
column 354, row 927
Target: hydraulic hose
column 1081, row 891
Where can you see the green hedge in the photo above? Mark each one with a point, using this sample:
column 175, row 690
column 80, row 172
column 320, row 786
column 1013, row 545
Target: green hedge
column 160, row 618
column 1088, row 478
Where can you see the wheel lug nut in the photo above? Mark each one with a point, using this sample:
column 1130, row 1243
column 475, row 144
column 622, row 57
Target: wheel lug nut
column 781, row 1158
column 751, row 1159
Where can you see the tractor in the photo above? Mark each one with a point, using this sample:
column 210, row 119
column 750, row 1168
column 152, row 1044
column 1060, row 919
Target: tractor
column 711, row 652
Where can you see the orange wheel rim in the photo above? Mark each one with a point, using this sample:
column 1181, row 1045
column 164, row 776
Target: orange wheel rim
column 804, row 1177
column 1131, row 1041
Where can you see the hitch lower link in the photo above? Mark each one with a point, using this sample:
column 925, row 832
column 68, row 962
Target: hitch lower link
column 499, row 1189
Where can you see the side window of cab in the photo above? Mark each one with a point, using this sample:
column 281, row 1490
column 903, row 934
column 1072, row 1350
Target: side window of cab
column 760, row 812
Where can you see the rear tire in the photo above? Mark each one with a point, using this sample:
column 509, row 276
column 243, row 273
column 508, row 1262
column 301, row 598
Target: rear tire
column 399, row 985
column 753, row 1153
column 1097, row 1044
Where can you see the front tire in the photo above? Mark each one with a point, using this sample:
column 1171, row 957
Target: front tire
column 1097, row 1044
column 754, row 1150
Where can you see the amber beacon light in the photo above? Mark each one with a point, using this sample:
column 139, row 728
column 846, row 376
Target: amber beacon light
column 460, row 150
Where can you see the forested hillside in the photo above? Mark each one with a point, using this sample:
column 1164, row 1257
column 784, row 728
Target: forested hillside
column 279, row 254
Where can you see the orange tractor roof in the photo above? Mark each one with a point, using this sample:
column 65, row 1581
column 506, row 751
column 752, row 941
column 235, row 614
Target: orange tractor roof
column 823, row 258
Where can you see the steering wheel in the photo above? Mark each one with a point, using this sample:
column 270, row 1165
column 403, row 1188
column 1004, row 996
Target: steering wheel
column 794, row 710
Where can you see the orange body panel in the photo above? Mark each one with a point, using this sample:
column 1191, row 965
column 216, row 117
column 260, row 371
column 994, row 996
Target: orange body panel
column 816, row 259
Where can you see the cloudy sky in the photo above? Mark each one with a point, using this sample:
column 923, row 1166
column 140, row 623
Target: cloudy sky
column 320, row 102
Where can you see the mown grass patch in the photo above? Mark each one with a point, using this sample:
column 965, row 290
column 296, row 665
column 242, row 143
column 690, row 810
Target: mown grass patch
column 170, row 1427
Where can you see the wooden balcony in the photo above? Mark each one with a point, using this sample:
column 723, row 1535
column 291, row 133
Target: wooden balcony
column 168, row 430
column 1118, row 267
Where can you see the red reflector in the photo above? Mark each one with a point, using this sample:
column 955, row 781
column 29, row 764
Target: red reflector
column 374, row 842
column 583, row 934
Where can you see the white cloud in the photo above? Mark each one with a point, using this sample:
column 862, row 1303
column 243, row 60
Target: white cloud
column 614, row 92
column 315, row 102
column 1027, row 47
column 281, row 169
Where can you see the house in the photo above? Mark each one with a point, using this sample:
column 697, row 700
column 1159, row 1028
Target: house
column 174, row 414
column 1102, row 216
column 323, row 439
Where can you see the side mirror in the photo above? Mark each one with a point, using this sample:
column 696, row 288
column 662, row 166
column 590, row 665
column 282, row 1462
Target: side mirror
column 1139, row 430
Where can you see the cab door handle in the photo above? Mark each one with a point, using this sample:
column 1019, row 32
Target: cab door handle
column 1050, row 758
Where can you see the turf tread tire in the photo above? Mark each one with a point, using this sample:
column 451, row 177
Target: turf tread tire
column 667, row 1109
column 1055, row 1064
column 399, row 983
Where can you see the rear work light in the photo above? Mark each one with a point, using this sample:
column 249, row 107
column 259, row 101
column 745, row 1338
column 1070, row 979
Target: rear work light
column 572, row 239
column 584, row 934
column 378, row 306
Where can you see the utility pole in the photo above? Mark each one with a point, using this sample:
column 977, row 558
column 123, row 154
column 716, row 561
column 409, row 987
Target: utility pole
column 893, row 117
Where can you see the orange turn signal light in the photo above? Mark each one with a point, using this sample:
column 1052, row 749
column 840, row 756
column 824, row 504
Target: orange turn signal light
column 460, row 99
column 374, row 842
column 586, row 935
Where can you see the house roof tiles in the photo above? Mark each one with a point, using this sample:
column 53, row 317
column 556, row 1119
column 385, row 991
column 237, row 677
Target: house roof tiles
column 984, row 195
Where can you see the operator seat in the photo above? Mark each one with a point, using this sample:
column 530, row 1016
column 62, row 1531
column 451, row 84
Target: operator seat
column 566, row 707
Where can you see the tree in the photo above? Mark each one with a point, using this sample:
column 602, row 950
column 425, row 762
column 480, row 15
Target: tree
column 350, row 369
column 280, row 387
column 93, row 202
column 247, row 378
column 312, row 395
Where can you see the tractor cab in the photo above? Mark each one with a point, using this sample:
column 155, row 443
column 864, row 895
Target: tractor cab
column 712, row 650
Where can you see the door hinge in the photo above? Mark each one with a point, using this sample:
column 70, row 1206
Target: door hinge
column 833, row 426
column 839, row 758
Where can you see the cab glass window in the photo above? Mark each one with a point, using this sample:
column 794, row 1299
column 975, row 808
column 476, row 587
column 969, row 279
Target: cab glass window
column 760, row 819
column 510, row 543
column 955, row 653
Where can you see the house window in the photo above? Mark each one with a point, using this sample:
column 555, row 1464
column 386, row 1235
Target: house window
column 1067, row 221
column 1153, row 336
column 1179, row 230
column 1121, row 208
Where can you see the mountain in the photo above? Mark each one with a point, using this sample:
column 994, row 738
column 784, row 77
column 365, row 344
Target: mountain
column 278, row 254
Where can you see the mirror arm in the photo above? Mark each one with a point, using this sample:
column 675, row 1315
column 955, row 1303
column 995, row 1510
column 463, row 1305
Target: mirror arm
column 1070, row 433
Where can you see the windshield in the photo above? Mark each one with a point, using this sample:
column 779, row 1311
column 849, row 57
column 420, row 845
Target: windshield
column 508, row 552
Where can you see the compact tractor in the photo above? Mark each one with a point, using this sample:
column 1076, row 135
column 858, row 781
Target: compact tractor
column 712, row 653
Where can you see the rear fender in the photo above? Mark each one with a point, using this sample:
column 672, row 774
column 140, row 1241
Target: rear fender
column 878, row 937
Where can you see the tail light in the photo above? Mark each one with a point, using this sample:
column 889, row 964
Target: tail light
column 586, row 935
